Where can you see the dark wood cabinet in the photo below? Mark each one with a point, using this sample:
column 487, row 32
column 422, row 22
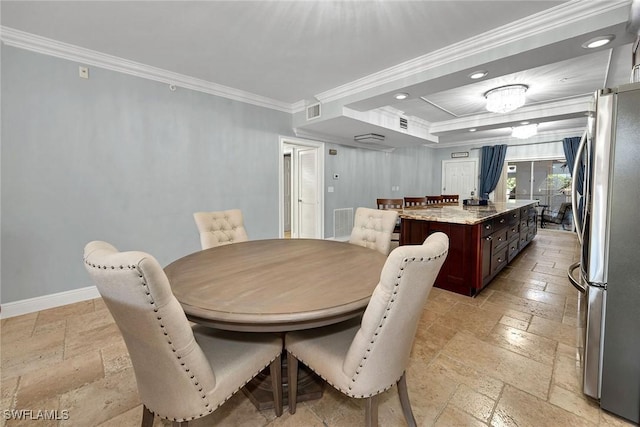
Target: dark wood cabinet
column 477, row 252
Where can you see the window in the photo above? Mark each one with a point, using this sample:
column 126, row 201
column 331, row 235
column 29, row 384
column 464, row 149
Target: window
column 548, row 181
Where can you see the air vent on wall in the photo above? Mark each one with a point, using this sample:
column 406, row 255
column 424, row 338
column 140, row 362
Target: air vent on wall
column 404, row 124
column 369, row 138
column 313, row 111
column 342, row 223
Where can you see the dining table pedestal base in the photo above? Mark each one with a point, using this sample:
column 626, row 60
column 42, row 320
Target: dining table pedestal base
column 260, row 393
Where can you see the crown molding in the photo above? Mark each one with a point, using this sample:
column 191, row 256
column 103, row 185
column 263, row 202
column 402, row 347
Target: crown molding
column 46, row 46
column 571, row 106
column 559, row 17
column 549, row 137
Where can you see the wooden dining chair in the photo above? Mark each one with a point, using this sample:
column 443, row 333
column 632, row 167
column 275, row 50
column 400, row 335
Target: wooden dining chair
column 434, row 200
column 395, row 204
column 450, row 199
column 412, row 202
column 385, row 204
column 364, row 357
column 182, row 373
column 220, row 227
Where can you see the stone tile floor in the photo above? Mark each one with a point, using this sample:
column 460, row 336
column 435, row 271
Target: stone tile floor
column 505, row 358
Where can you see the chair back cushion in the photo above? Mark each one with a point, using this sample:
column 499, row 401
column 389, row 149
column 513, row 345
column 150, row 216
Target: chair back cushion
column 220, row 228
column 172, row 373
column 372, row 228
column 380, row 349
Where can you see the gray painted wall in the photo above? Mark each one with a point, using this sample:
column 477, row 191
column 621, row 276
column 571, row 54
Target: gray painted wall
column 121, row 159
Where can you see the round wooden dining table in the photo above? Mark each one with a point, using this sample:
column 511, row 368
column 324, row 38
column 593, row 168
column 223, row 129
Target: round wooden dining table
column 275, row 285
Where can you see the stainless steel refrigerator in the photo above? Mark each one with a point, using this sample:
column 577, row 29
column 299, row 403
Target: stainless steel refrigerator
column 607, row 218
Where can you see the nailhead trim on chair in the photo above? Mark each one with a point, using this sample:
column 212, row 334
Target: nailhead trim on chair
column 195, row 381
column 178, row 356
column 375, row 334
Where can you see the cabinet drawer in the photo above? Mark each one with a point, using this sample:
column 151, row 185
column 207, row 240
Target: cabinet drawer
column 530, row 235
column 513, row 218
column 499, row 239
column 513, row 230
column 487, row 227
column 514, row 246
column 498, row 261
column 500, row 222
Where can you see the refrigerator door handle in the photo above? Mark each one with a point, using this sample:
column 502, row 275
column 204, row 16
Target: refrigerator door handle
column 574, row 186
column 575, row 282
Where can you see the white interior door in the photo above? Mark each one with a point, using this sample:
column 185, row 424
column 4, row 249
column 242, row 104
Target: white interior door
column 287, row 192
column 307, row 180
column 306, row 183
column 460, row 177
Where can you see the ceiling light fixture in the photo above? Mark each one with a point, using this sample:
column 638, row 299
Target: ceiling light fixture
column 478, row 74
column 401, row 96
column 473, row 130
column 598, row 41
column 506, row 98
column 524, row 132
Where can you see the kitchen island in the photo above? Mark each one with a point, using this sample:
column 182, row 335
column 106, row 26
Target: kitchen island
column 482, row 239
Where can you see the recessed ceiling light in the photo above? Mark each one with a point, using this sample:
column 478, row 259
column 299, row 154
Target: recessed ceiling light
column 401, row 96
column 598, row 42
column 524, row 123
column 478, row 74
column 473, row 130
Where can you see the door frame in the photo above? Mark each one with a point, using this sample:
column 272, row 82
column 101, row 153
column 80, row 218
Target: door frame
column 286, row 141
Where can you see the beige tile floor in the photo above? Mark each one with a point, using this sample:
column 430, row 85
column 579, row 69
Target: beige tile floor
column 504, row 358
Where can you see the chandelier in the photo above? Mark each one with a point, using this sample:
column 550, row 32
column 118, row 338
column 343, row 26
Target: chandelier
column 524, row 132
column 505, row 98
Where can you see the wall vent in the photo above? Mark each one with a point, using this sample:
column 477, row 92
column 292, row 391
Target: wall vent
column 404, row 124
column 342, row 223
column 313, row 111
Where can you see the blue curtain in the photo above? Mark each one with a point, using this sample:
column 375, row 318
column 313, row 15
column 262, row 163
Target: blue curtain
column 570, row 146
column 491, row 168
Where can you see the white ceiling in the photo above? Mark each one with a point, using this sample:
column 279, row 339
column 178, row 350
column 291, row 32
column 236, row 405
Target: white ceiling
column 352, row 56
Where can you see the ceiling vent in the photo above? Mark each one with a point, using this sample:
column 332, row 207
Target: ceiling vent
column 369, row 138
column 313, row 111
column 404, row 124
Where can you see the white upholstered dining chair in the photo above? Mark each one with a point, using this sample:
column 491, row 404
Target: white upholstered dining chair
column 364, row 357
column 373, row 229
column 182, row 373
column 220, row 228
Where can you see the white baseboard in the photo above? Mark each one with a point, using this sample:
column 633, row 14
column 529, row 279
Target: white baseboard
column 26, row 306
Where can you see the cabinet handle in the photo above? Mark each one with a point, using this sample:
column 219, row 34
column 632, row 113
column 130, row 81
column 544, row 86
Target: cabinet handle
column 500, row 260
column 489, row 238
column 487, row 227
column 501, row 220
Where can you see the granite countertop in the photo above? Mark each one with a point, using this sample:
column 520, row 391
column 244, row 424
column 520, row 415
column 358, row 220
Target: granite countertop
column 465, row 214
